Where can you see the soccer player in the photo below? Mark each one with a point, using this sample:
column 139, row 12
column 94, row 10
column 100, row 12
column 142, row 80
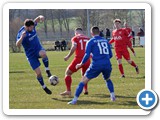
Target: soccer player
column 101, row 54
column 130, row 38
column 78, row 47
column 27, row 36
column 119, row 37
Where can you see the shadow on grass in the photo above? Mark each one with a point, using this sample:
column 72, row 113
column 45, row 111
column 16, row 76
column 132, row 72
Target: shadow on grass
column 83, row 102
column 128, row 103
column 108, row 96
column 16, row 71
column 141, row 77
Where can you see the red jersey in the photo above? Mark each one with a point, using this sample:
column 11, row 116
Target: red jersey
column 119, row 37
column 129, row 32
column 80, row 41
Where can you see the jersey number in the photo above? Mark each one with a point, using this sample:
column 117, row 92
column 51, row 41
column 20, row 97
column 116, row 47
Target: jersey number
column 81, row 42
column 103, row 47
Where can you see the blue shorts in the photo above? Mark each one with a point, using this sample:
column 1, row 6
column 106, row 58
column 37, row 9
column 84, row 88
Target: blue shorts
column 94, row 71
column 34, row 61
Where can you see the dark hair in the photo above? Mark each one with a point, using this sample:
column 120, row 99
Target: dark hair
column 95, row 30
column 29, row 22
column 78, row 29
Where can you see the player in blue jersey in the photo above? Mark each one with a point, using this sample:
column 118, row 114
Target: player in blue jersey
column 101, row 54
column 27, row 36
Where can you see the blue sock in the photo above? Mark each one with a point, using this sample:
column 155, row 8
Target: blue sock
column 110, row 85
column 40, row 80
column 79, row 89
column 45, row 62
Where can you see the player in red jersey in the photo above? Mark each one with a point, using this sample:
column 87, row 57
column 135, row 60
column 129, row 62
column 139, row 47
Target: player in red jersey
column 119, row 37
column 78, row 46
column 129, row 41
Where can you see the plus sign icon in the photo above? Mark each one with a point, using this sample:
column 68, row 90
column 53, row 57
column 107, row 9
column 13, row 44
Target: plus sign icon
column 147, row 99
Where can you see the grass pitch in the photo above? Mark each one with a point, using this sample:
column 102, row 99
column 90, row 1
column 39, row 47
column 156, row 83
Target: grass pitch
column 26, row 93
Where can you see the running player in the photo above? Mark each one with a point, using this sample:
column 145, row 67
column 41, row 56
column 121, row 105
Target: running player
column 78, row 46
column 27, row 36
column 119, row 37
column 130, row 38
column 101, row 54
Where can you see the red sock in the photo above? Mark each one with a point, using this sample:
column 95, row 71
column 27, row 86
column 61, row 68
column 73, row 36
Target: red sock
column 132, row 50
column 121, row 69
column 133, row 64
column 68, row 81
column 86, row 88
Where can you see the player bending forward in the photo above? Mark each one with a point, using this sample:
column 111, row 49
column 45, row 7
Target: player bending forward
column 78, row 46
column 119, row 37
column 27, row 36
column 100, row 49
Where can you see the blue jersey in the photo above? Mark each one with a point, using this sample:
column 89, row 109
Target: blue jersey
column 30, row 42
column 100, row 50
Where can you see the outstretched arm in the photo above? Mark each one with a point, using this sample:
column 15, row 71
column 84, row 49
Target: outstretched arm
column 20, row 39
column 38, row 19
column 73, row 48
column 86, row 56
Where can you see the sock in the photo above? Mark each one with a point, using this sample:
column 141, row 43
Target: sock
column 79, row 89
column 40, row 80
column 132, row 50
column 45, row 62
column 133, row 64
column 68, row 81
column 110, row 86
column 121, row 69
column 86, row 88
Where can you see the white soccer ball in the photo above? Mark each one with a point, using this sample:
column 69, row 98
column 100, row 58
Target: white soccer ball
column 53, row 80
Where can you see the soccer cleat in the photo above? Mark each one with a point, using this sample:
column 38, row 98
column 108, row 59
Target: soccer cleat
column 47, row 90
column 113, row 98
column 48, row 73
column 123, row 76
column 86, row 93
column 137, row 69
column 66, row 93
column 72, row 102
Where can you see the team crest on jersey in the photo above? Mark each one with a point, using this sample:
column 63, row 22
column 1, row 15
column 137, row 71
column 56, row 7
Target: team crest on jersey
column 120, row 32
column 117, row 38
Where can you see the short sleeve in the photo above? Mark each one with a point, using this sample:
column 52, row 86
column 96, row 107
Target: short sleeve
column 73, row 40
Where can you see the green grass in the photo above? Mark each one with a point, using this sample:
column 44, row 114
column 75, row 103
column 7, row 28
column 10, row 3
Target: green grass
column 26, row 93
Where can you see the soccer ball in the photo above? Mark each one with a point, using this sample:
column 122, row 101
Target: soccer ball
column 53, row 80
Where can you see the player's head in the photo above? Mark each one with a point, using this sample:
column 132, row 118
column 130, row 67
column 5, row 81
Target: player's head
column 95, row 31
column 29, row 24
column 78, row 31
column 117, row 23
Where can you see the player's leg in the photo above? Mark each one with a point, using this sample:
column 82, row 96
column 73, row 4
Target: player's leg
column 43, row 55
column 40, row 80
column 84, row 68
column 68, row 82
column 68, row 79
column 90, row 74
column 34, row 62
column 106, row 76
column 131, row 62
column 119, row 62
column 79, row 90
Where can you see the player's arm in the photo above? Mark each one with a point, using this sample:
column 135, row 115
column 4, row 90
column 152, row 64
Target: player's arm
column 86, row 56
column 112, row 40
column 20, row 38
column 73, row 48
column 38, row 19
